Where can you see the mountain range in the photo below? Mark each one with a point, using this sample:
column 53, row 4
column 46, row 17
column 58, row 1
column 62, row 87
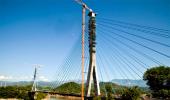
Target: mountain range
column 124, row 82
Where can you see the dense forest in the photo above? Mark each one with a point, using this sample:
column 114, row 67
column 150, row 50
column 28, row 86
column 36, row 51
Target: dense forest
column 15, row 92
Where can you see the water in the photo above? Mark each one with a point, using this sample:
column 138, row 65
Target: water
column 58, row 98
column 63, row 98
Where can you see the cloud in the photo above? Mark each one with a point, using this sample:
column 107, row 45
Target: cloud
column 22, row 78
column 42, row 78
column 3, row 77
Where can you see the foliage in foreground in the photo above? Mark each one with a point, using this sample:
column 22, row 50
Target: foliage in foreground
column 128, row 93
column 158, row 79
column 19, row 92
column 40, row 96
column 132, row 93
column 15, row 92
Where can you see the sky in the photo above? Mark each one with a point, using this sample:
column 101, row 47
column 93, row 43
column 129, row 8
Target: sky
column 44, row 31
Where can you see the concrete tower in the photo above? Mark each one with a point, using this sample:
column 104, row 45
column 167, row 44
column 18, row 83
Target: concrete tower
column 34, row 86
column 92, row 71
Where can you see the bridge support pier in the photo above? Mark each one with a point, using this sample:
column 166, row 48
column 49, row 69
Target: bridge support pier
column 92, row 71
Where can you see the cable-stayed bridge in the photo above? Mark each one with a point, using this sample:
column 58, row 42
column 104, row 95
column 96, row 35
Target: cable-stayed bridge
column 110, row 49
column 122, row 51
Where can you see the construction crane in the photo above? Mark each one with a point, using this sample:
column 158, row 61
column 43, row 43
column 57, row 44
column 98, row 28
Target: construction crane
column 84, row 8
column 83, row 5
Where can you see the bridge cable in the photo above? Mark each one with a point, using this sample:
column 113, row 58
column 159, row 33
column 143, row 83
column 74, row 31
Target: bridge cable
column 126, row 64
column 136, row 25
column 135, row 50
column 116, row 49
column 140, row 44
column 141, row 37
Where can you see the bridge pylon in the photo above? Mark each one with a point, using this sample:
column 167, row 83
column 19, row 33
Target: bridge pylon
column 34, row 86
column 92, row 71
column 33, row 93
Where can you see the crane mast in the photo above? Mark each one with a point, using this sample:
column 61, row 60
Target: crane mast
column 92, row 73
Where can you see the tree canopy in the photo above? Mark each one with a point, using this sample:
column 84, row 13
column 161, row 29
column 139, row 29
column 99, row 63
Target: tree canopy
column 158, row 79
column 19, row 92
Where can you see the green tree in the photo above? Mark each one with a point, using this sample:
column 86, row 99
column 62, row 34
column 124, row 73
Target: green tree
column 109, row 91
column 97, row 98
column 158, row 79
column 132, row 93
column 20, row 92
column 40, row 96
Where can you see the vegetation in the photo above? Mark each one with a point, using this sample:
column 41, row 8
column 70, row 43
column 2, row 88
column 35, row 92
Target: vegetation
column 158, row 79
column 111, row 91
column 97, row 98
column 132, row 93
column 69, row 88
column 15, row 92
column 107, row 90
column 19, row 92
column 40, row 96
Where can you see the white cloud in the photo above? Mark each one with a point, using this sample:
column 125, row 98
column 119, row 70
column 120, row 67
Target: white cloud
column 22, row 78
column 42, row 78
column 3, row 77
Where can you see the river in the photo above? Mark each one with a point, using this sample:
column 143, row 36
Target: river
column 57, row 99
column 64, row 98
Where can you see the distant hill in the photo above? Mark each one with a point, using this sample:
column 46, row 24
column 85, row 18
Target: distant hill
column 70, row 87
column 11, row 83
column 123, row 82
column 130, row 82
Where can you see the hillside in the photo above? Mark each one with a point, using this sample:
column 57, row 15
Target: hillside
column 130, row 82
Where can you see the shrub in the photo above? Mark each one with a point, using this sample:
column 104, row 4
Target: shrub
column 132, row 93
column 164, row 93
